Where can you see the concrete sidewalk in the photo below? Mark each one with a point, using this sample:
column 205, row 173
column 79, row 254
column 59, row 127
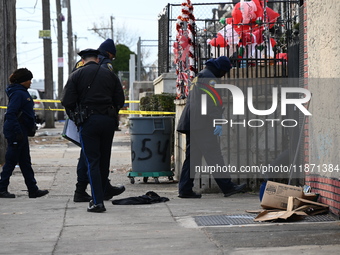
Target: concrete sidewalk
column 56, row 225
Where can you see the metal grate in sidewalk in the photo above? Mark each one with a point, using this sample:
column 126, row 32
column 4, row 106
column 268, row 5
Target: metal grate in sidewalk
column 243, row 219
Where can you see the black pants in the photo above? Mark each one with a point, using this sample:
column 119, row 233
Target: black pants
column 18, row 154
column 96, row 136
column 200, row 145
column 82, row 176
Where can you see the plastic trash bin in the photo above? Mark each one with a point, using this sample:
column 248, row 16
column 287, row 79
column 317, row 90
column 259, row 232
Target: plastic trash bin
column 151, row 142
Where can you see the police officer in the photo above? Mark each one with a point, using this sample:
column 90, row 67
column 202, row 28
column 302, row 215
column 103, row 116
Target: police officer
column 107, row 52
column 19, row 124
column 98, row 91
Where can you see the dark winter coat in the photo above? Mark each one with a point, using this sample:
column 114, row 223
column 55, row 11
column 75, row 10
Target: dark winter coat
column 191, row 118
column 20, row 116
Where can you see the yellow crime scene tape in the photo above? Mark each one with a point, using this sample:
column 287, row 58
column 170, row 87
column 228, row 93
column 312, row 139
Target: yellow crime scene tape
column 58, row 101
column 120, row 112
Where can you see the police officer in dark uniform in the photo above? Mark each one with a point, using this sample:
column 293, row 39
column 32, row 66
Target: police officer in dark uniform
column 99, row 92
column 107, row 52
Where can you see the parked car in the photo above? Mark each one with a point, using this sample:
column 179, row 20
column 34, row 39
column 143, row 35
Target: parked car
column 39, row 114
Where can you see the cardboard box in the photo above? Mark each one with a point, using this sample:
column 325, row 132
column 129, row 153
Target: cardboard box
column 276, row 195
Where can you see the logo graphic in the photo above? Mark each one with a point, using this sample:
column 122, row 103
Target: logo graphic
column 238, row 100
column 209, row 90
column 238, row 104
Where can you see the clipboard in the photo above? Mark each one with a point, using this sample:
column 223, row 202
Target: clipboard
column 70, row 132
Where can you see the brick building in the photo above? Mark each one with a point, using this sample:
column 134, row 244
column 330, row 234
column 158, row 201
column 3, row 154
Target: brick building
column 321, row 52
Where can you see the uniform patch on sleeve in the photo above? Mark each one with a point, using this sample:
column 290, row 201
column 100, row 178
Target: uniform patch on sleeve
column 109, row 65
column 79, row 64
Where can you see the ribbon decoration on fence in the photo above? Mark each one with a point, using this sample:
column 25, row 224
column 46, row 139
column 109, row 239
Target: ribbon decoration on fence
column 183, row 49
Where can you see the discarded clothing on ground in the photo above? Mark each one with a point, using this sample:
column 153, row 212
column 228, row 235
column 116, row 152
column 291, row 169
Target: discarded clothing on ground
column 149, row 198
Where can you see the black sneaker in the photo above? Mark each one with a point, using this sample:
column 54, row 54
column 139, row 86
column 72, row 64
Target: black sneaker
column 6, row 194
column 96, row 208
column 236, row 189
column 81, row 197
column 190, row 195
column 38, row 193
column 113, row 191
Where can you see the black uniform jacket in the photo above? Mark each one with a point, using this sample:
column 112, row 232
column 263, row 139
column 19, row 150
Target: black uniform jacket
column 105, row 90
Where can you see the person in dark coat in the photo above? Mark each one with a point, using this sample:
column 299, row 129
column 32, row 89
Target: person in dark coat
column 107, row 52
column 99, row 92
column 201, row 136
column 19, row 124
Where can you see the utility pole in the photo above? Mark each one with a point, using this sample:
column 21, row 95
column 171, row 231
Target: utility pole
column 104, row 35
column 76, row 38
column 132, row 75
column 8, row 59
column 111, row 19
column 60, row 19
column 139, row 58
column 70, row 38
column 49, row 118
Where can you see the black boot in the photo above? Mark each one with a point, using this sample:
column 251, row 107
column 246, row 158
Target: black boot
column 80, row 194
column 37, row 193
column 112, row 191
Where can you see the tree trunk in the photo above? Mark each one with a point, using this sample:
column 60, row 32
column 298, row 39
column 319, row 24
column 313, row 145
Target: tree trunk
column 8, row 59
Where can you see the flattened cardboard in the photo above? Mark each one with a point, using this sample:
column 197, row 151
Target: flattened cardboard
column 311, row 207
column 308, row 208
column 279, row 215
column 276, row 195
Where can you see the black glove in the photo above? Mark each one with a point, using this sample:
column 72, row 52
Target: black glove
column 32, row 131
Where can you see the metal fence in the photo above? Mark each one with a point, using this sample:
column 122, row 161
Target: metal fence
column 243, row 144
column 208, row 26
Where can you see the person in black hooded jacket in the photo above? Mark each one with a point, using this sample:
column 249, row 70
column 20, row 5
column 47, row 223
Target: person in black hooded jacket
column 201, row 136
column 19, row 124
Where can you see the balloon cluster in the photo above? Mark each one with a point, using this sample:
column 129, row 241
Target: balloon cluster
column 247, row 27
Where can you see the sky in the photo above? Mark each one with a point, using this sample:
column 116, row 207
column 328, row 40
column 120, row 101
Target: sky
column 135, row 17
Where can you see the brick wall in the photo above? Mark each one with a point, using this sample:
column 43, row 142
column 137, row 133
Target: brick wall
column 329, row 190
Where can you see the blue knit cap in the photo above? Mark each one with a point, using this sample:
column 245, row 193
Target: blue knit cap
column 222, row 63
column 109, row 46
